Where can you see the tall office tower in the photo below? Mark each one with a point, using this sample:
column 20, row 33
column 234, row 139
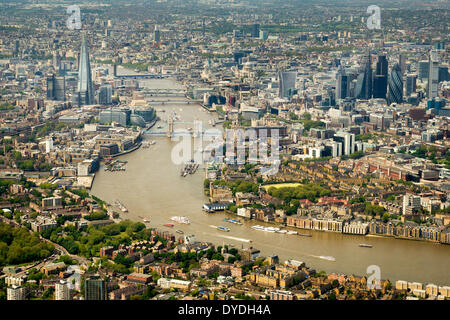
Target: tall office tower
column 95, row 288
column 255, row 30
column 364, row 81
column 347, row 140
column 381, row 78
column 50, row 87
column 60, row 88
column 105, row 94
column 203, row 27
column 443, row 74
column 56, row 88
column 433, row 74
column 395, row 85
column 424, row 69
column 85, row 92
column 411, row 80
column 286, row 83
column 263, row 35
column 156, row 35
column 56, row 60
column 16, row 47
column 342, row 84
column 115, row 69
column 402, row 62
column 62, row 291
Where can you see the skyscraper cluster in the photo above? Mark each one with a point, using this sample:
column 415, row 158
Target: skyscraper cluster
column 383, row 84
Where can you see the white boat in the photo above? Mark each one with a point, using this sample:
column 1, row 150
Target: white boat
column 180, row 219
column 271, row 229
column 282, row 231
column 329, row 258
column 146, row 220
column 258, row 227
column 121, row 206
column 292, row 232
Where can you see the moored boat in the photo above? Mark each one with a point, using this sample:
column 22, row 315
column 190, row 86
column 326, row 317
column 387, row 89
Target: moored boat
column 180, row 219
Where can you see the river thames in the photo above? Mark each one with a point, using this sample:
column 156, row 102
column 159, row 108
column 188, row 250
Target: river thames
column 152, row 188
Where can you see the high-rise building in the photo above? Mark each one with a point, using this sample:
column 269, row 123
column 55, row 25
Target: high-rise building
column 48, row 145
column 156, row 35
column 115, row 69
column 105, row 94
column 381, row 78
column 411, row 80
column 347, row 140
column 62, row 291
column 286, row 83
column 16, row 293
column 85, row 92
column 395, row 85
column 424, row 69
column 255, row 30
column 342, row 84
column 443, row 74
column 16, row 47
column 263, row 35
column 411, row 204
column 56, row 88
column 433, row 74
column 402, row 62
column 95, row 288
column 364, row 81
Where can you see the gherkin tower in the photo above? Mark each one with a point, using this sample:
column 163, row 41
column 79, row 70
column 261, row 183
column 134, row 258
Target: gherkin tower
column 395, row 85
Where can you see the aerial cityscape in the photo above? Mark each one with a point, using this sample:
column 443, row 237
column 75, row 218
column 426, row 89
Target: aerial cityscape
column 224, row 150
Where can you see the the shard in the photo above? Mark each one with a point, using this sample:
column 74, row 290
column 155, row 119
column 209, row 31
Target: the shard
column 85, row 92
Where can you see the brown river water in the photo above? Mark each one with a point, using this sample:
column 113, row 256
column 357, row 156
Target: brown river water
column 152, row 188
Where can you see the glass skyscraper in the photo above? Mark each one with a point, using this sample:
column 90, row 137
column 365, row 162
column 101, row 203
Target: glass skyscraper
column 433, row 75
column 342, row 85
column 85, row 92
column 381, row 78
column 395, row 85
column 95, row 289
column 286, row 83
column 364, row 81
